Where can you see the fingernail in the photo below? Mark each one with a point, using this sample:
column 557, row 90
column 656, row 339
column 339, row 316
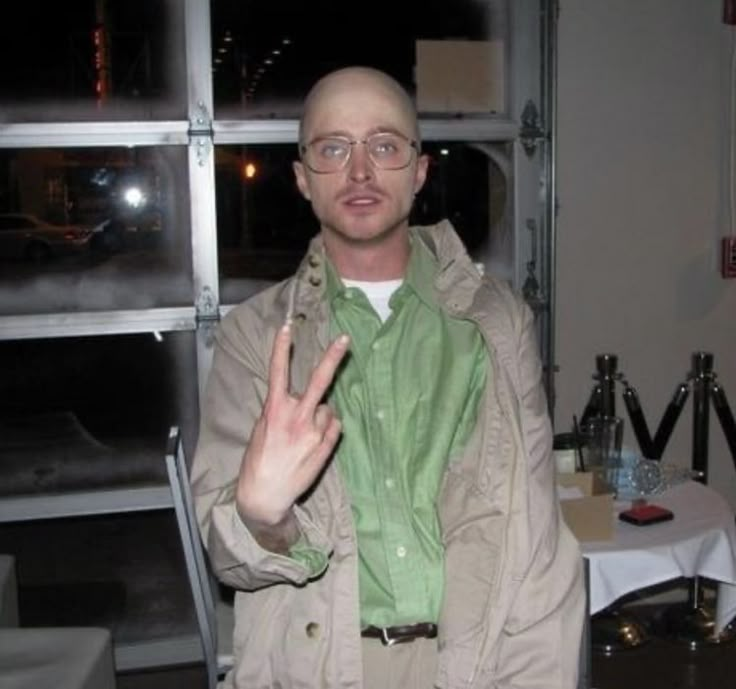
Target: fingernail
column 344, row 340
column 286, row 326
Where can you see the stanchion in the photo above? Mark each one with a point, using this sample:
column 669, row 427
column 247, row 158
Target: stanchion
column 612, row 629
column 690, row 622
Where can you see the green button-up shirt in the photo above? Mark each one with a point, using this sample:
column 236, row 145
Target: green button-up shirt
column 407, row 396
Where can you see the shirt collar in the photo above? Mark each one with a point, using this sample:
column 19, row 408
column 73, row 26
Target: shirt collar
column 420, row 275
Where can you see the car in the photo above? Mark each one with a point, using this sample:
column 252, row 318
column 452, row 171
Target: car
column 26, row 236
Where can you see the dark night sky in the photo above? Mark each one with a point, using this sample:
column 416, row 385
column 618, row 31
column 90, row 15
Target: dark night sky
column 47, row 49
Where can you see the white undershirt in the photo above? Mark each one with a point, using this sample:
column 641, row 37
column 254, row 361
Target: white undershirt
column 378, row 293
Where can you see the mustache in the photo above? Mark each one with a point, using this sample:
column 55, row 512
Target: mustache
column 360, row 189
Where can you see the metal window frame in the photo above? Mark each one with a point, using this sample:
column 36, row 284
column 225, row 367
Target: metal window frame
column 531, row 77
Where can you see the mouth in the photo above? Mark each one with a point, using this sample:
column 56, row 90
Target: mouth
column 362, row 200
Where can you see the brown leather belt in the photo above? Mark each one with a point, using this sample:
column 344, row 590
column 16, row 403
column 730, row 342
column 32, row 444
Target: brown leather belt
column 401, row 634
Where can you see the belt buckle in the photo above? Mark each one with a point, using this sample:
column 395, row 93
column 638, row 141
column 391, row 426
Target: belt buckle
column 387, row 640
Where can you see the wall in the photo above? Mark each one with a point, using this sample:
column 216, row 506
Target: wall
column 643, row 137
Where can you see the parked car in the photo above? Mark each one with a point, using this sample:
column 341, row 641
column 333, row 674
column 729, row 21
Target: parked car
column 23, row 235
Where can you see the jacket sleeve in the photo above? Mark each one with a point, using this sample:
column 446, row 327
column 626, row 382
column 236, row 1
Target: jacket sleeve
column 233, row 399
column 540, row 646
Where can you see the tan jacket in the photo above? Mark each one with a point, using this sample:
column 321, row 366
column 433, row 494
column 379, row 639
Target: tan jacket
column 514, row 600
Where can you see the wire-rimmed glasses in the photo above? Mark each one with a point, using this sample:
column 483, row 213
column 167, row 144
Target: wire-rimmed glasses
column 386, row 150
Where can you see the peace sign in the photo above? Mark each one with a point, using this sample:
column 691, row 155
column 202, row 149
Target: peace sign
column 292, row 439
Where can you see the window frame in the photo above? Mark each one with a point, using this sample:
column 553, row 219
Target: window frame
column 531, row 77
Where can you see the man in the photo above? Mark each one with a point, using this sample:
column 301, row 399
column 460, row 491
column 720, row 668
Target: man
column 373, row 474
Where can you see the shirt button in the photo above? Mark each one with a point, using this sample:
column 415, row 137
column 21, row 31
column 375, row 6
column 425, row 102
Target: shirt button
column 312, row 630
column 380, row 414
column 390, row 483
column 401, row 551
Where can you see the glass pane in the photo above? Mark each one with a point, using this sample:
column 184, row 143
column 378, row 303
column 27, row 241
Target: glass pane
column 92, row 412
column 124, row 572
column 93, row 229
column 264, row 224
column 267, row 54
column 93, row 59
column 469, row 184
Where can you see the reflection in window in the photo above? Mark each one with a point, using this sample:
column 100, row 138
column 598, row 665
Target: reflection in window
column 93, row 229
column 264, row 224
column 91, row 412
column 267, row 54
column 93, row 59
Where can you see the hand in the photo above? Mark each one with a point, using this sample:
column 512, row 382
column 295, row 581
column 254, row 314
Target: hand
column 292, row 439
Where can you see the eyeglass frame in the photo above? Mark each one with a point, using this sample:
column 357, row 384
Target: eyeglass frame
column 413, row 145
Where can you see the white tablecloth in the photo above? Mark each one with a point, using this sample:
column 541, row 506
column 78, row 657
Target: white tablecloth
column 700, row 540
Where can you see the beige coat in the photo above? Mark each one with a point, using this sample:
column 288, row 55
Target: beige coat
column 514, row 600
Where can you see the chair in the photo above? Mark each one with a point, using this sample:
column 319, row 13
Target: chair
column 49, row 657
column 209, row 614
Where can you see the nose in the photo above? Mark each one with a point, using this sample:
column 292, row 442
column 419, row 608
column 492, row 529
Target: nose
column 360, row 167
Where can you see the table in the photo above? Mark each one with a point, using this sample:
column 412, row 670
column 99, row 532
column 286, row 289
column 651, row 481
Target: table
column 700, row 540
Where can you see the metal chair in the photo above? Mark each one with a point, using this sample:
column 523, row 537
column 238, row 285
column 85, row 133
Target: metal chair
column 209, row 610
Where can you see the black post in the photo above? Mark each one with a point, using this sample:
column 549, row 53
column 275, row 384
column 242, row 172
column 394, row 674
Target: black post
column 702, row 375
column 606, row 365
column 638, row 422
column 669, row 418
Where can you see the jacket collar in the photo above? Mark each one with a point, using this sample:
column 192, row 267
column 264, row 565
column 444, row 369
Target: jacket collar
column 455, row 285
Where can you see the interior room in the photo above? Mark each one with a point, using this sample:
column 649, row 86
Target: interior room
column 586, row 154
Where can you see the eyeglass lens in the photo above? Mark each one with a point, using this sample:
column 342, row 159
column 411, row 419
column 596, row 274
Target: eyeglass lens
column 386, row 150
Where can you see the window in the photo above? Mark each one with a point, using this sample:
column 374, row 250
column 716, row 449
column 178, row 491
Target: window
column 91, row 60
column 94, row 229
column 266, row 55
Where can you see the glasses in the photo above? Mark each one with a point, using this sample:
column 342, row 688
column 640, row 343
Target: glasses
column 386, row 150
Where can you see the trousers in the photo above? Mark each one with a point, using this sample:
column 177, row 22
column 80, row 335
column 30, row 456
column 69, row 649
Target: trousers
column 410, row 665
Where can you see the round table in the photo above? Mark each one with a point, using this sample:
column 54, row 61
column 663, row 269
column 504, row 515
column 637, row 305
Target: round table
column 700, row 540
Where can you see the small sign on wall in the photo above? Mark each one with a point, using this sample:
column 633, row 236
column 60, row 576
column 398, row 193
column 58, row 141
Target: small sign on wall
column 460, row 76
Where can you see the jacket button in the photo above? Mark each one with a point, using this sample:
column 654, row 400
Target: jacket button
column 313, row 260
column 312, row 630
column 315, row 281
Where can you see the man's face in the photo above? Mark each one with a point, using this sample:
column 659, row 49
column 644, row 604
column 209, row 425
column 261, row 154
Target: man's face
column 360, row 203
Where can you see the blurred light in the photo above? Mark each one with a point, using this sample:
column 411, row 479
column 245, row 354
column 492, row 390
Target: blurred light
column 275, row 51
column 268, row 61
column 249, row 170
column 444, row 151
column 134, row 197
column 286, row 41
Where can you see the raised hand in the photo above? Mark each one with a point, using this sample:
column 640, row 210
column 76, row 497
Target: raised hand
column 291, row 441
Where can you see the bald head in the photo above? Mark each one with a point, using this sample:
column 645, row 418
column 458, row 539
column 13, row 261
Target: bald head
column 354, row 85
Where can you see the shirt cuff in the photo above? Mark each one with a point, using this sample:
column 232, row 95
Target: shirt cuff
column 313, row 559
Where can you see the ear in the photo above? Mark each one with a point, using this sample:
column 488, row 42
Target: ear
column 420, row 175
column 301, row 179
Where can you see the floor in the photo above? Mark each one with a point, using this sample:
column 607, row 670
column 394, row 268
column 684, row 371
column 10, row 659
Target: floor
column 663, row 663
